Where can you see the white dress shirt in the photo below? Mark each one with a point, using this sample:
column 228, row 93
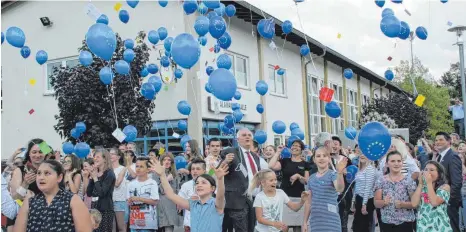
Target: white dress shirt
column 186, row 192
column 248, row 166
column 442, row 154
column 9, row 207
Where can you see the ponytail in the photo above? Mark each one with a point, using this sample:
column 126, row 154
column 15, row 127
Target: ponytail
column 257, row 179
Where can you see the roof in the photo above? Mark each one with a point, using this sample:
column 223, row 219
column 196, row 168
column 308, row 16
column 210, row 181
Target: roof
column 252, row 14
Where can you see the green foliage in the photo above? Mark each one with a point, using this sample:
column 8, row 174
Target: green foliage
column 452, row 80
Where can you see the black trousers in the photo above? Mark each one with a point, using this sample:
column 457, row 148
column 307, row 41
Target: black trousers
column 361, row 222
column 404, row 227
column 343, row 212
column 236, row 219
column 459, row 127
column 453, row 214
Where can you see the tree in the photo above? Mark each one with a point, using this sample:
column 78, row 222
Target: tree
column 399, row 107
column 404, row 70
column 452, row 80
column 83, row 97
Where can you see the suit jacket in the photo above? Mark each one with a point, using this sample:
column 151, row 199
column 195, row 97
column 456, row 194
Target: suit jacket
column 453, row 170
column 236, row 184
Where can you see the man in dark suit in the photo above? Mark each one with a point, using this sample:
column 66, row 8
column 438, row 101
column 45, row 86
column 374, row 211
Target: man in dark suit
column 239, row 213
column 452, row 164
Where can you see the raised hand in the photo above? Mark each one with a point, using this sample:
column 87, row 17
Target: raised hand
column 156, row 167
column 229, row 158
column 221, row 171
column 342, row 165
column 29, row 178
column 427, row 177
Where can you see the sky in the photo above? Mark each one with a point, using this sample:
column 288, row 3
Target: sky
column 358, row 23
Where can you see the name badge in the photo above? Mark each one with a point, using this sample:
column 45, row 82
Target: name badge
column 332, row 208
column 243, row 170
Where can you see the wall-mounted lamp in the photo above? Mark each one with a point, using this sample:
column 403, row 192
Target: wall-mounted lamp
column 46, row 22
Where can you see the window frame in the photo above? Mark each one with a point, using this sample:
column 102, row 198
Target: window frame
column 63, row 61
column 338, row 124
column 352, row 106
column 275, row 74
column 319, row 115
column 247, row 69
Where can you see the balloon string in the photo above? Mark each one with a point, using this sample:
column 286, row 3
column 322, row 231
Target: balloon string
column 111, row 107
column 252, row 24
column 305, row 36
column 114, row 105
column 283, row 46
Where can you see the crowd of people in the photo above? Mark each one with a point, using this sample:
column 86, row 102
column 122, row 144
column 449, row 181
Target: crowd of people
column 242, row 189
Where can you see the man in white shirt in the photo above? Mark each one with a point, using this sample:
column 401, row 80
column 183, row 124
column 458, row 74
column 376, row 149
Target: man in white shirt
column 9, row 207
column 197, row 167
column 215, row 146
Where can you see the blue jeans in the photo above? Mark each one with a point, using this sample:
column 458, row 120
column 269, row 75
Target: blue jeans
column 463, row 215
column 141, row 230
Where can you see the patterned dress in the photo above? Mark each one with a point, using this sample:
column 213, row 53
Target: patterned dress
column 55, row 217
column 433, row 219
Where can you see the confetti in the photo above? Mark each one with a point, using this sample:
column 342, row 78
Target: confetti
column 31, row 111
column 117, row 6
column 165, row 88
column 339, row 36
column 161, row 151
column 326, row 94
column 32, row 81
column 389, row 58
column 206, row 63
column 119, row 135
column 175, row 135
column 420, row 100
column 450, row 23
column 44, row 148
column 407, row 12
column 276, row 67
column 211, row 49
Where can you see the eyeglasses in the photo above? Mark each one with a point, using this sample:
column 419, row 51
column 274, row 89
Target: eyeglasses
column 67, row 162
column 18, row 164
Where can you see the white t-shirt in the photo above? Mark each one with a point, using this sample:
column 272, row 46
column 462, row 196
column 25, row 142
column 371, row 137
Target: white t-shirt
column 119, row 194
column 186, row 192
column 143, row 216
column 272, row 209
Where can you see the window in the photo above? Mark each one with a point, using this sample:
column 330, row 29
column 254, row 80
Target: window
column 276, row 82
column 51, row 65
column 277, row 140
column 352, row 101
column 338, row 124
column 316, row 106
column 240, row 69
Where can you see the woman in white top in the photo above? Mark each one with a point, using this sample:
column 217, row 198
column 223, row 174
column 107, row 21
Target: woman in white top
column 363, row 197
column 119, row 192
column 73, row 178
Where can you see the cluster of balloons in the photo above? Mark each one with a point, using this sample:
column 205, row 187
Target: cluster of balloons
column 392, row 27
column 81, row 149
column 77, row 131
column 15, row 37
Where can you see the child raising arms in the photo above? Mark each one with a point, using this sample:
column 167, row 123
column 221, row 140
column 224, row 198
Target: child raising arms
column 207, row 212
column 269, row 202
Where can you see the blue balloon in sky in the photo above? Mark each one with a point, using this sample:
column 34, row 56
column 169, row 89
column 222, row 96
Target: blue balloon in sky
column 178, row 73
column 129, row 43
column 163, row 33
column 260, row 136
column 148, row 91
column 80, row 127
column 3, row 37
column 278, row 127
column 220, row 10
column 156, row 82
column 82, row 149
column 190, row 6
column 390, row 26
column 15, row 37
column 387, row 12
column 209, row 70
column 128, row 55
column 201, row 25
column 229, row 121
column 262, row 87
column 298, row 132
column 184, row 108
column 421, row 33
column 153, row 37
column 101, row 40
column 202, row 40
column 212, row 4
column 185, row 50
column 106, row 75
column 287, row 27
column 235, row 106
column 222, row 84
column 180, row 160
column 389, row 75
column 75, row 133
column 122, row 67
column 281, row 71
column 350, row 132
column 124, row 16
column 304, row 50
column 238, row 115
column 85, row 58
column 216, row 48
column 207, row 87
column 380, row 3
column 144, row 72
column 182, row 125
column 167, row 44
column 293, row 126
column 225, row 40
column 217, row 26
column 164, row 61
column 224, row 61
column 211, row 14
column 266, row 28
column 230, row 10
column 260, row 108
column 25, row 52
column 404, row 31
column 397, row 1
column 292, row 139
column 68, row 148
column 163, row 3
column 102, row 19
column 41, row 57
column 237, row 95
column 202, row 9
column 374, row 140
column 131, row 133
column 348, row 73
column 152, row 68
column 332, row 109
column 132, row 3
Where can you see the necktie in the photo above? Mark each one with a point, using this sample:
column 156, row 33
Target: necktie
column 251, row 163
column 439, row 157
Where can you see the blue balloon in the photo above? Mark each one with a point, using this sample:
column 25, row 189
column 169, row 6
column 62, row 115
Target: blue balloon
column 128, row 55
column 144, row 72
column 235, row 106
column 355, row 161
column 131, row 133
column 148, row 91
column 380, row 3
column 211, row 14
column 122, row 67
column 190, row 6
column 82, row 150
column 266, row 28
column 397, row 1
column 229, row 121
column 216, row 48
column 220, row 10
column 185, row 50
column 351, row 173
column 404, row 31
column 389, row 75
column 25, row 52
column 152, row 68
column 168, row 54
column 163, row 3
column 304, row 50
column 202, row 9
column 222, row 84
column 226, row 130
column 3, row 37
column 351, row 132
column 348, row 73
column 298, row 132
column 182, row 125
column 75, row 133
column 421, row 33
column 212, row 4
column 390, row 26
column 124, row 16
column 374, row 140
column 167, row 44
column 387, row 12
column 80, row 127
column 207, row 87
column 281, row 71
column 237, row 95
column 15, row 37
column 163, row 33
column 217, row 26
column 201, row 25
column 260, row 108
column 68, row 148
column 262, row 87
column 278, row 127
column 101, row 40
column 292, row 139
column 238, row 115
column 41, row 57
column 286, row 153
column 184, row 108
column 106, row 75
column 132, row 3
column 85, row 58
column 180, row 162
column 209, row 70
column 102, row 19
column 287, row 27
column 260, row 136
column 224, row 61
column 156, row 82
column 202, row 40
column 443, row 1
column 225, row 40
column 178, row 73
column 184, row 139
column 165, row 61
column 293, row 126
column 332, row 109
column 153, row 37
column 230, row 10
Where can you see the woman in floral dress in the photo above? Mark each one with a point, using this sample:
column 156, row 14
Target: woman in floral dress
column 432, row 195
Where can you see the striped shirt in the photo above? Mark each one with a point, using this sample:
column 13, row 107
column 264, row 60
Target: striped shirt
column 365, row 180
column 9, row 207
